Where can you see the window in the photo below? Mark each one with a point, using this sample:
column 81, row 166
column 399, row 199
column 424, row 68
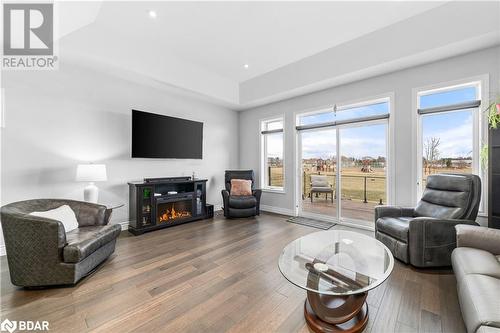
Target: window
column 272, row 172
column 448, row 131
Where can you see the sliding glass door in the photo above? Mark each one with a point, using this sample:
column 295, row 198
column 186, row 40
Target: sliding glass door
column 318, row 172
column 363, row 176
column 343, row 162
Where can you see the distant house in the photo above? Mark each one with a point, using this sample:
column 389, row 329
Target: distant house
column 461, row 163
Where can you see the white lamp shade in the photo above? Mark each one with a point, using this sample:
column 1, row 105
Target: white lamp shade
column 91, row 173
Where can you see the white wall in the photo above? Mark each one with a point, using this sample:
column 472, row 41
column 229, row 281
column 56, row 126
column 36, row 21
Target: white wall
column 58, row 119
column 400, row 83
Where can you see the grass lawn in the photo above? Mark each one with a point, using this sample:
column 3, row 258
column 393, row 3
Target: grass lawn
column 353, row 182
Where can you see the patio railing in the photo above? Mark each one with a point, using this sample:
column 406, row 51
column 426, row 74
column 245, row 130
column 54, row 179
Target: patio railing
column 367, row 188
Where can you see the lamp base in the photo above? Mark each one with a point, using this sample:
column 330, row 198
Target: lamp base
column 91, row 193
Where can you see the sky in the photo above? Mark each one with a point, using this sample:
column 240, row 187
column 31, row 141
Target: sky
column 453, row 128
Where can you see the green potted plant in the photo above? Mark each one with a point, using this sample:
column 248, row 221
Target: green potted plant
column 493, row 114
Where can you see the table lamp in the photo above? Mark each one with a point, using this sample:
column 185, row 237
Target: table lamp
column 91, row 173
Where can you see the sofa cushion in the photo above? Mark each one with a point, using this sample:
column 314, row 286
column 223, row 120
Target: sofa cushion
column 396, row 227
column 242, row 201
column 322, row 189
column 467, row 260
column 83, row 241
column 446, row 196
column 488, row 329
column 479, row 297
column 63, row 214
column 245, row 212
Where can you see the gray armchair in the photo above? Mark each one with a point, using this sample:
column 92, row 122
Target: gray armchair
column 319, row 184
column 41, row 253
column 240, row 206
column 424, row 236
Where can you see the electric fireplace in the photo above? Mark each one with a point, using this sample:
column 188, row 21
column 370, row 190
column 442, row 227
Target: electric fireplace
column 158, row 203
column 170, row 210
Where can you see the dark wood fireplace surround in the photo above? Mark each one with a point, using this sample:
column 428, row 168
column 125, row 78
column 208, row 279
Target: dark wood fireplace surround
column 158, row 203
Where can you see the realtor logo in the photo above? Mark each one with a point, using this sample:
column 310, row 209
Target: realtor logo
column 28, row 36
column 8, row 325
column 28, row 29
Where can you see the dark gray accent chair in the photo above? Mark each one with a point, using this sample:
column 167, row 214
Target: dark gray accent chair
column 40, row 252
column 424, row 236
column 240, row 206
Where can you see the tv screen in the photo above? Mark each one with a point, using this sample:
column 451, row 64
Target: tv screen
column 158, row 136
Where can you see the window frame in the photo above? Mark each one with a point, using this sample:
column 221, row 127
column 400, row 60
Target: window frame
column 479, row 131
column 263, row 154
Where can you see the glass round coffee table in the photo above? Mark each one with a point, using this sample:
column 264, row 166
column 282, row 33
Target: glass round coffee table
column 337, row 268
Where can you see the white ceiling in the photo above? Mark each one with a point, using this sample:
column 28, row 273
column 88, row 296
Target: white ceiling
column 202, row 46
column 223, row 36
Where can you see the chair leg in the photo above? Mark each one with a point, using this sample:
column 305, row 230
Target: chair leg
column 311, row 195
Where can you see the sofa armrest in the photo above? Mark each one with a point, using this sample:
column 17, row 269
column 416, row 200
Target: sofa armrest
column 392, row 211
column 483, row 238
column 432, row 240
column 90, row 214
column 257, row 193
column 225, row 201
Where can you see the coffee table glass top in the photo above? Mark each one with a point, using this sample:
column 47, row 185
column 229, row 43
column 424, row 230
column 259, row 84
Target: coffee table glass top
column 336, row 262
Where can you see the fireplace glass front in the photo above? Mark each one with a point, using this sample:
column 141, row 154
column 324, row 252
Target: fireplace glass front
column 169, row 212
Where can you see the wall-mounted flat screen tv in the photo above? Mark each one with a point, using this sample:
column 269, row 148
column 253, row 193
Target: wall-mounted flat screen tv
column 158, row 136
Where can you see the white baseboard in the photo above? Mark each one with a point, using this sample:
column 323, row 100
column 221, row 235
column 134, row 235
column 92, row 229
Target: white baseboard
column 277, row 210
column 124, row 225
column 2, row 250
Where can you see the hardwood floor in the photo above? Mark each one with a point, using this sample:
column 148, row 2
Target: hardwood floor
column 215, row 276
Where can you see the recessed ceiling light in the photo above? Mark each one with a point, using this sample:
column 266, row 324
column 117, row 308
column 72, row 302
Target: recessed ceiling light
column 246, row 66
column 152, row 14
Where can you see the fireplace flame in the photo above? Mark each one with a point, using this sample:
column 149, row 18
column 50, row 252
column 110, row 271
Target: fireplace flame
column 171, row 214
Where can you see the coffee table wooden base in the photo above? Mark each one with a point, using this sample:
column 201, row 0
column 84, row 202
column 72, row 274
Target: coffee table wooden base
column 356, row 322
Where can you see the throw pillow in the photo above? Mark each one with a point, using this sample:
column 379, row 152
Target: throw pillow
column 63, row 214
column 241, row 187
column 319, row 181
